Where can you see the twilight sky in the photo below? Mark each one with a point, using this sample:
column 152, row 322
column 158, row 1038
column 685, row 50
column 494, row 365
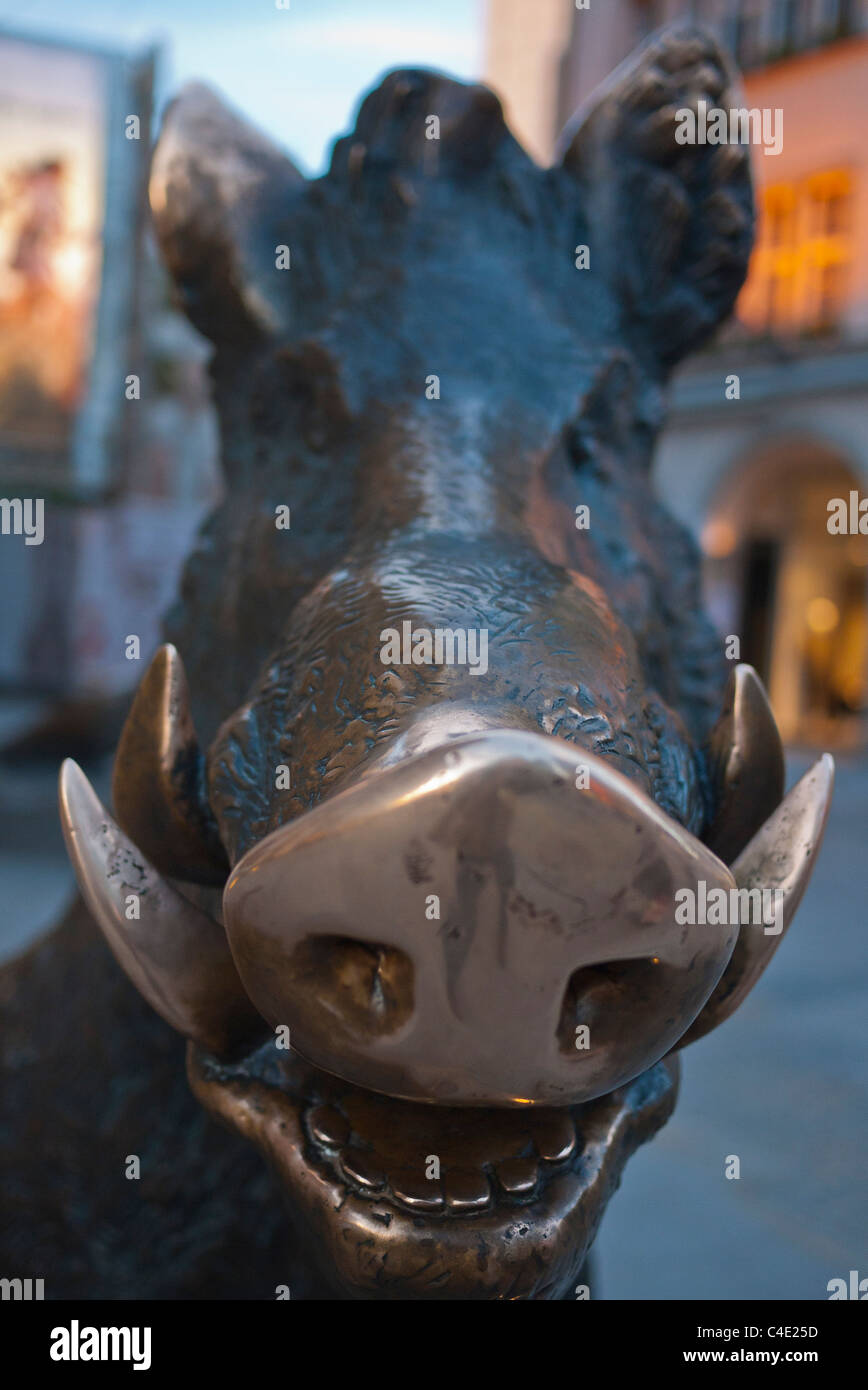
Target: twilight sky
column 298, row 73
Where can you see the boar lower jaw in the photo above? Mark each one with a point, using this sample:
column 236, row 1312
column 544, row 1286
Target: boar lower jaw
column 398, row 1200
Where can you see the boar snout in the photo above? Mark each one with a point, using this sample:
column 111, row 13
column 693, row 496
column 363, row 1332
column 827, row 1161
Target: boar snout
column 490, row 922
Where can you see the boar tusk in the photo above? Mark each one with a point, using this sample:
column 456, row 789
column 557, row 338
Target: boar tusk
column 780, row 857
column 175, row 955
column 158, row 784
column 746, row 762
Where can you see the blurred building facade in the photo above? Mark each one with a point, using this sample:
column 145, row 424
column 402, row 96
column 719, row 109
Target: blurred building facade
column 753, row 476
column 105, row 417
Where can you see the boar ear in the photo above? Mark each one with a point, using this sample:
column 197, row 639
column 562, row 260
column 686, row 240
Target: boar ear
column 221, row 197
column 669, row 224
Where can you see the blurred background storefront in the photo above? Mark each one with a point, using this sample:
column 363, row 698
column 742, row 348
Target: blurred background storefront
column 752, row 476
column 104, row 411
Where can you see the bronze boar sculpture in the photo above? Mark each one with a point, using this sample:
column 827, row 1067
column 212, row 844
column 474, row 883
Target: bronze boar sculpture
column 465, row 732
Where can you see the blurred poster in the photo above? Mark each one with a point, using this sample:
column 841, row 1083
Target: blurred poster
column 53, row 118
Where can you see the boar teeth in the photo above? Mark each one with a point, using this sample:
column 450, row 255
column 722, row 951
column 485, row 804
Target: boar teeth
column 780, row 857
column 746, row 761
column 176, row 957
column 158, row 779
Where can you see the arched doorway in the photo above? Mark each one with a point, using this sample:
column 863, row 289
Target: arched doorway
column 794, row 593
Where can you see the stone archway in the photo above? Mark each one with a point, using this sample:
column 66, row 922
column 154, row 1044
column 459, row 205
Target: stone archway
column 794, row 593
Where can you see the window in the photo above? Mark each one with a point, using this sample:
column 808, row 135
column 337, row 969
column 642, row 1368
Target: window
column 748, row 38
column 838, row 18
column 790, row 25
column 798, row 275
column 761, row 31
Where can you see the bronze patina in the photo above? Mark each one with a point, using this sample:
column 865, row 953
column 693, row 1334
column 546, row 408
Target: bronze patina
column 416, row 913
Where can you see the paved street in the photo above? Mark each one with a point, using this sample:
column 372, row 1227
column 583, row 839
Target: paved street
column 782, row 1085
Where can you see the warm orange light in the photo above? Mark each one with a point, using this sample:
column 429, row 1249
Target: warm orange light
column 822, row 615
column 72, row 266
column 796, row 277
column 718, row 539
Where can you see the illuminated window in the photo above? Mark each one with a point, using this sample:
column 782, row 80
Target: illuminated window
column 798, row 275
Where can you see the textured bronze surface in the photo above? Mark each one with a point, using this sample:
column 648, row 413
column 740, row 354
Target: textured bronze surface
column 552, row 800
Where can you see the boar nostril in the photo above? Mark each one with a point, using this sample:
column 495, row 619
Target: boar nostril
column 365, row 987
column 600, row 997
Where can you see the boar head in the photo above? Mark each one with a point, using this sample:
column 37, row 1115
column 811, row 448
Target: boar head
column 446, row 873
